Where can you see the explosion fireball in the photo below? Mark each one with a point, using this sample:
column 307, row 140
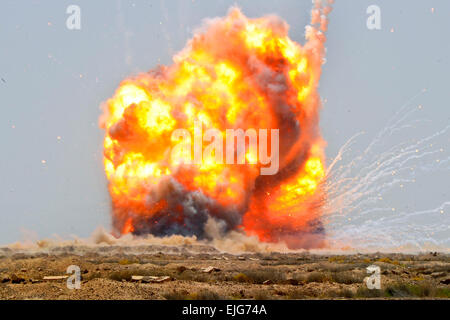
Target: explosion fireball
column 236, row 73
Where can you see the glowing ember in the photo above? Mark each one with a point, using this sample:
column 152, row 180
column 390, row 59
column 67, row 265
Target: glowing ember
column 237, row 73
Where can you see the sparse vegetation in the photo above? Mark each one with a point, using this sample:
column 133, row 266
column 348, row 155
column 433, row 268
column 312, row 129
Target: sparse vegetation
column 124, row 275
column 107, row 274
column 126, row 261
column 317, row 277
column 189, row 275
column 203, row 294
column 347, row 277
column 364, row 292
column 92, row 276
column 159, row 262
column 344, row 293
column 443, row 293
column 262, row 295
column 336, row 259
column 176, row 295
column 241, row 277
column 424, row 289
column 405, row 290
column 301, row 293
column 259, row 276
column 388, row 260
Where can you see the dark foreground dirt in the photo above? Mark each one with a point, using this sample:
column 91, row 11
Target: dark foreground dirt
column 183, row 273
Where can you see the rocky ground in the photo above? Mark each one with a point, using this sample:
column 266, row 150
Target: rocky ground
column 201, row 272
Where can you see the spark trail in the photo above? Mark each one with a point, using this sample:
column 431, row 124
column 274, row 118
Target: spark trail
column 357, row 184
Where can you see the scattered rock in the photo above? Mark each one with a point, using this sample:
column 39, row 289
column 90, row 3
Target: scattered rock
column 181, row 269
column 225, row 258
column 55, row 278
column 160, row 279
column 210, row 269
column 23, row 270
column 254, row 259
column 16, row 279
column 241, row 258
column 5, row 279
column 137, row 278
column 293, row 282
column 267, row 282
column 445, row 281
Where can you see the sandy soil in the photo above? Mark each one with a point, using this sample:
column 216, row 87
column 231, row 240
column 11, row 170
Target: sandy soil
column 106, row 273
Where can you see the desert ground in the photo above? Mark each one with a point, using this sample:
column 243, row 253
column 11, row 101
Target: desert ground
column 202, row 272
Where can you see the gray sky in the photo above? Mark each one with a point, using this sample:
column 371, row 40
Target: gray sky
column 55, row 79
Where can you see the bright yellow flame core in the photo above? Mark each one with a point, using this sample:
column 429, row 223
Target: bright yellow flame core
column 305, row 184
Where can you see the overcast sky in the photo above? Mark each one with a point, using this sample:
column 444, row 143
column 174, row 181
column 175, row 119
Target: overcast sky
column 54, row 80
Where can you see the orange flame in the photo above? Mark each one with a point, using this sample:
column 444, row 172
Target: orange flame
column 237, row 73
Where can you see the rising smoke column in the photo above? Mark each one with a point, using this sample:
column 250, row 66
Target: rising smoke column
column 236, row 73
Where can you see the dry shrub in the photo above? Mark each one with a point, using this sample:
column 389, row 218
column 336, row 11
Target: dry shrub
column 317, row 277
column 126, row 261
column 336, row 259
column 189, row 275
column 347, row 277
column 336, row 267
column 92, row 276
column 262, row 295
column 124, row 275
column 176, row 295
column 301, row 293
column 300, row 277
column 241, row 277
column 385, row 260
column 205, row 295
column 423, row 289
column 443, row 293
column 344, row 293
column 259, row 276
column 364, row 292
